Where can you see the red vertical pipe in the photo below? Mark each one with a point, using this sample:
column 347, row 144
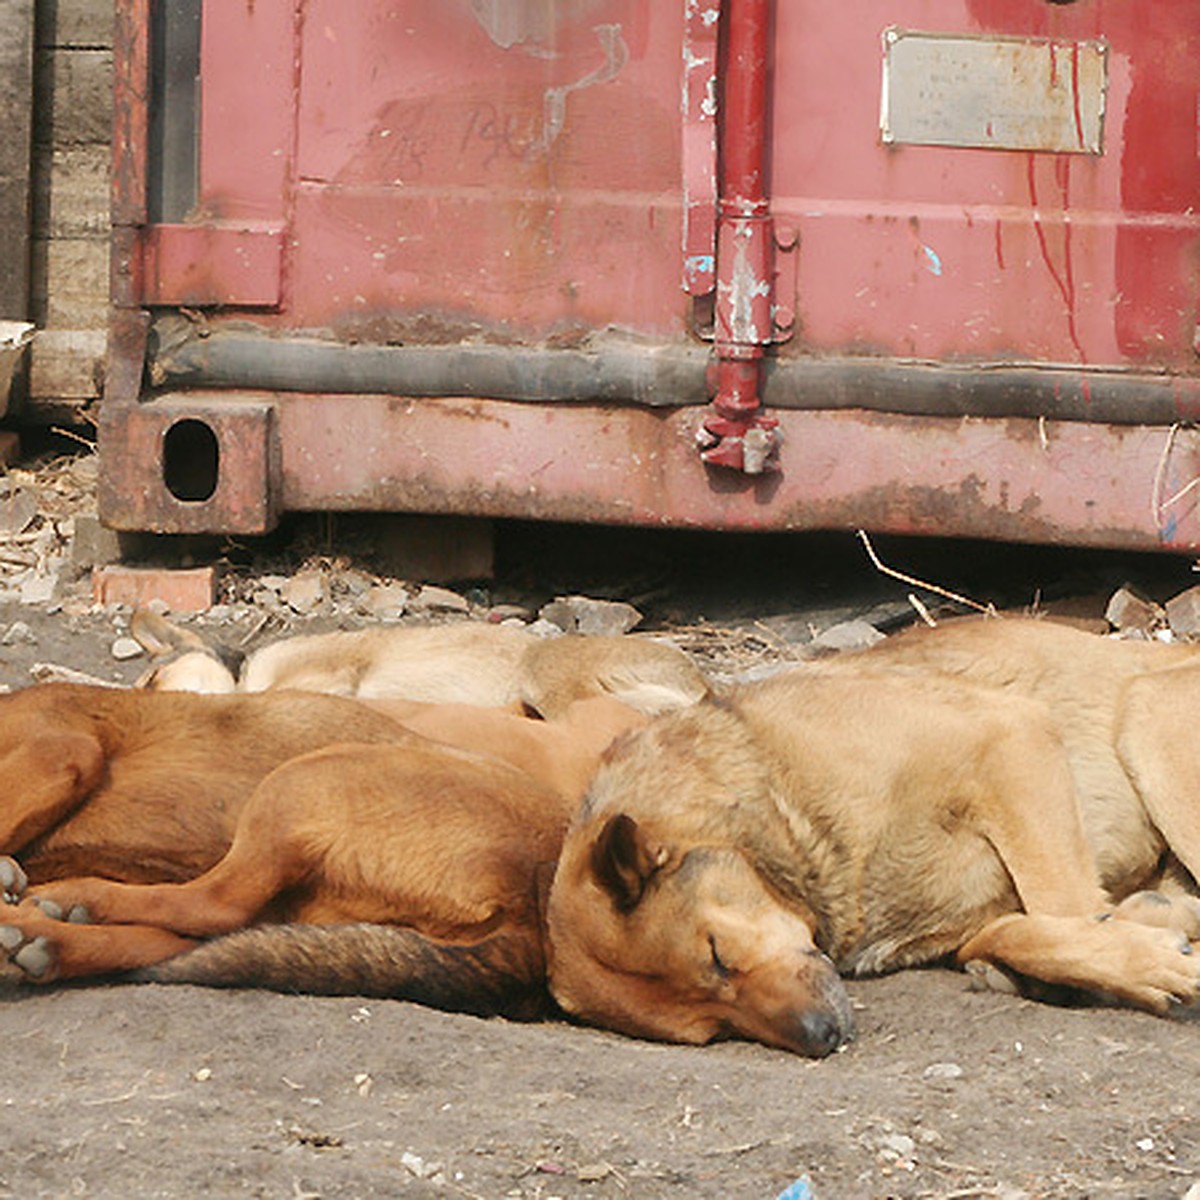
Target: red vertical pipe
column 744, row 255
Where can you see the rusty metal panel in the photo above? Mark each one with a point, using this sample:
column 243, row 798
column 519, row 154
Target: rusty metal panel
column 953, row 253
column 700, row 146
column 198, row 265
column 1052, row 482
column 993, row 93
column 534, row 177
column 135, row 492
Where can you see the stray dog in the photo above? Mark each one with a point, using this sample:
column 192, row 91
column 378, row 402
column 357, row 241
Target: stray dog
column 997, row 792
column 148, row 789
column 460, row 663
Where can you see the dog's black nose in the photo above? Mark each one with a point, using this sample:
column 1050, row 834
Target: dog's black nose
column 820, row 1034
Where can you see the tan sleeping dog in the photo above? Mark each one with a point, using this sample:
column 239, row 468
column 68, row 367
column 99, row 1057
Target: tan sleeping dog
column 998, row 792
column 463, row 662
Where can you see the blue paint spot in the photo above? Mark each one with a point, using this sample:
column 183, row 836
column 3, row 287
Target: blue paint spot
column 934, row 263
column 1168, row 530
column 800, row 1190
column 700, row 264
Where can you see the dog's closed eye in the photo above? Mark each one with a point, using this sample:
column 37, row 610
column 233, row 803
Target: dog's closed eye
column 721, row 969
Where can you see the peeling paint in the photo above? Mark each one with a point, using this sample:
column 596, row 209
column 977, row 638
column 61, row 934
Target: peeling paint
column 697, row 266
column 616, row 55
column 746, row 292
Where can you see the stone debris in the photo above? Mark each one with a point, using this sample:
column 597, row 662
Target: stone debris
column 384, row 601
column 125, row 648
column 305, row 593
column 943, row 1070
column 847, row 635
column 18, row 633
column 1132, row 614
column 1183, row 614
column 19, row 509
column 592, row 618
column 432, row 599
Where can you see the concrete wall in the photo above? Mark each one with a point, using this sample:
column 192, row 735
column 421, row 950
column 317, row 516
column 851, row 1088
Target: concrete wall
column 68, row 292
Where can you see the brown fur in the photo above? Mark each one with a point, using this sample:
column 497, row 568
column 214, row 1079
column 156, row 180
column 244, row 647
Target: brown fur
column 992, row 791
column 986, row 790
column 145, row 786
column 409, row 832
column 647, row 675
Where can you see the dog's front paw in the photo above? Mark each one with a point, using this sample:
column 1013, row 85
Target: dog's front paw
column 33, row 955
column 13, row 880
column 76, row 914
column 1160, row 969
column 1163, row 911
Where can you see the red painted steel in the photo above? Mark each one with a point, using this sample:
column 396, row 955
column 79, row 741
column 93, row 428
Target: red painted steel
column 699, row 148
column 738, row 435
column 513, row 173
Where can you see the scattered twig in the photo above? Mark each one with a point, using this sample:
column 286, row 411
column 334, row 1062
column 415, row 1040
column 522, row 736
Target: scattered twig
column 75, row 437
column 989, row 609
column 255, row 629
column 1159, row 506
column 922, row 611
column 45, row 672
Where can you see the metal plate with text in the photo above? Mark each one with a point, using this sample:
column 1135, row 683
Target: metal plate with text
column 993, row 93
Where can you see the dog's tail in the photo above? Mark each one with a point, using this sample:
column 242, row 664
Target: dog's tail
column 503, row 975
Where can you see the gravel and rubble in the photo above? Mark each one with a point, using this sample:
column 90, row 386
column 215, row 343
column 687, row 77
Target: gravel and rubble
column 947, row 1093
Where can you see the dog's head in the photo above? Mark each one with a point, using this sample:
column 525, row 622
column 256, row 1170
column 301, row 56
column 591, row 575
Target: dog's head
column 187, row 662
column 685, row 944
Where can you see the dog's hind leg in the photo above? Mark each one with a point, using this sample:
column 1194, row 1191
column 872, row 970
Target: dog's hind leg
column 418, row 835
column 47, row 950
column 46, row 774
column 1156, row 742
column 1027, row 810
column 1065, row 936
column 261, row 862
column 1136, row 964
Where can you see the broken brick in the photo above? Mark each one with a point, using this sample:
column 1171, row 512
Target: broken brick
column 189, row 589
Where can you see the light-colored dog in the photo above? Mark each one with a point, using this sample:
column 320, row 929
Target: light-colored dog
column 463, row 662
column 998, row 792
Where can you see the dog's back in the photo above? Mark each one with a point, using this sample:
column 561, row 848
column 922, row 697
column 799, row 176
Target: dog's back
column 466, row 663
column 164, row 774
column 647, row 675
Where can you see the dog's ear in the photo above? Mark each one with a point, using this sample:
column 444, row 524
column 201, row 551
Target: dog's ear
column 159, row 637
column 624, row 860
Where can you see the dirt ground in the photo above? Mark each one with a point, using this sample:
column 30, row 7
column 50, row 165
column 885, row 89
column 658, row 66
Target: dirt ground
column 128, row 1090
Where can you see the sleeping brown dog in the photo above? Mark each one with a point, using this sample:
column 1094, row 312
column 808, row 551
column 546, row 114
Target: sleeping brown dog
column 1001, row 792
column 148, row 788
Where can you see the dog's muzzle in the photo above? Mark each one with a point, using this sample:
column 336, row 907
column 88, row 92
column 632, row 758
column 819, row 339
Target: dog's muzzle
column 828, row 1023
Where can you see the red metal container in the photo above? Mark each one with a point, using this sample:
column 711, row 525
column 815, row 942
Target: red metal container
column 924, row 266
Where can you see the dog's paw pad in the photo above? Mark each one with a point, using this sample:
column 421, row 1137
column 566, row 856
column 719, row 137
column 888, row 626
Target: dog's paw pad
column 35, row 958
column 75, row 914
column 987, row 977
column 13, row 880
